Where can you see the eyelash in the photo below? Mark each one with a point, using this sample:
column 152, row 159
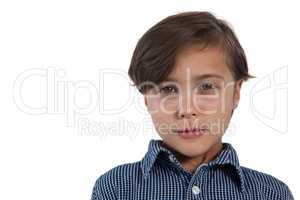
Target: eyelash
column 212, row 85
column 166, row 89
column 172, row 89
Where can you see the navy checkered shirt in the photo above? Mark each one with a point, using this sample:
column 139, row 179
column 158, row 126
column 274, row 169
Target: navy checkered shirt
column 160, row 176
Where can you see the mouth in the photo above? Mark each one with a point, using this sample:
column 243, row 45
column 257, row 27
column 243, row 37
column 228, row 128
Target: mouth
column 190, row 133
column 189, row 130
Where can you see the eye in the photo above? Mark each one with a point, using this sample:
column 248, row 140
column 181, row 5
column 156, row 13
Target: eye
column 168, row 90
column 207, row 87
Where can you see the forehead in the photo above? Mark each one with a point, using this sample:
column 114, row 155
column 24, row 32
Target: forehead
column 196, row 61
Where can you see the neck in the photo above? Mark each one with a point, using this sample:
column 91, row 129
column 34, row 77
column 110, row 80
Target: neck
column 191, row 163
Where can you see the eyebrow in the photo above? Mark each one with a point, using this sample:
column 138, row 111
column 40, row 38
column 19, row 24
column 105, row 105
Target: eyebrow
column 197, row 77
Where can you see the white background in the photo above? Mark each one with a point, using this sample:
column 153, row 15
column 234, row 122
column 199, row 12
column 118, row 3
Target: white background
column 53, row 155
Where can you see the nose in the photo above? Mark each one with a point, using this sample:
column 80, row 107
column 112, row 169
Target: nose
column 186, row 107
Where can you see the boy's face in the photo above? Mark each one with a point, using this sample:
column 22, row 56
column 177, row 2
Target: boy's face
column 199, row 93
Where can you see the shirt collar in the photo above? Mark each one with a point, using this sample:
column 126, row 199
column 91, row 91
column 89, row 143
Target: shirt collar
column 227, row 156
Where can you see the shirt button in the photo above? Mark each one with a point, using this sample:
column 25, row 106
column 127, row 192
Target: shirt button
column 195, row 189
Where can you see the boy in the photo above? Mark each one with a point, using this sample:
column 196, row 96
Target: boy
column 190, row 68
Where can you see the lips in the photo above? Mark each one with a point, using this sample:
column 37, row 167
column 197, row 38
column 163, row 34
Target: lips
column 190, row 133
column 189, row 130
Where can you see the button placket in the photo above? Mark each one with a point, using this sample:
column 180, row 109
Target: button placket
column 196, row 190
column 195, row 185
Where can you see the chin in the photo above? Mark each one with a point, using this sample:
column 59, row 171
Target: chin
column 190, row 148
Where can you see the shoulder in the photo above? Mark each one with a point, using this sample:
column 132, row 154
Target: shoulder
column 266, row 183
column 123, row 171
column 109, row 183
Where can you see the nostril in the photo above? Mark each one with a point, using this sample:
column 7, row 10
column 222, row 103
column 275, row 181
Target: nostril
column 184, row 115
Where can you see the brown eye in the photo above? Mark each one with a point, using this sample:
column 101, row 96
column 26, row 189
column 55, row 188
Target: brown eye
column 207, row 87
column 168, row 90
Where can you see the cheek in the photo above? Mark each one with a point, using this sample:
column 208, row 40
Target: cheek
column 207, row 104
column 168, row 105
column 163, row 106
column 228, row 101
column 152, row 104
column 161, row 109
column 215, row 106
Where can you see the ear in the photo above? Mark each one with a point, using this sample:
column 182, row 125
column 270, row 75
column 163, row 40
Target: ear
column 237, row 91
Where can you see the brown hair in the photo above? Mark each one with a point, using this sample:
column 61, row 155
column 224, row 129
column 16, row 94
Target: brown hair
column 154, row 56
